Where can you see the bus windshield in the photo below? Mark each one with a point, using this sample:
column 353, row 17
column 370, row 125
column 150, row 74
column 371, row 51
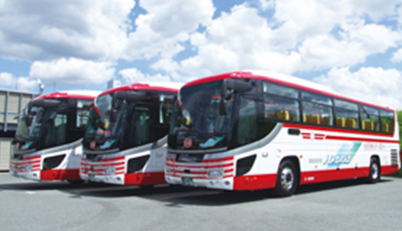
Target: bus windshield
column 44, row 123
column 126, row 124
column 197, row 122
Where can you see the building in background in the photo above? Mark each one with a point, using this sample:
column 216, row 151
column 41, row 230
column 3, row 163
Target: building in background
column 113, row 84
column 11, row 104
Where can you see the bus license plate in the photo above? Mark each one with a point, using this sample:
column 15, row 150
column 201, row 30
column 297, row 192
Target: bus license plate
column 188, row 181
column 91, row 175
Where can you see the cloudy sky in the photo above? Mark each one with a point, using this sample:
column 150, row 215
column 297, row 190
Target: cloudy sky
column 352, row 46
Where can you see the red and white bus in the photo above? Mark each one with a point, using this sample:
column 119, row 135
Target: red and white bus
column 48, row 140
column 257, row 130
column 126, row 138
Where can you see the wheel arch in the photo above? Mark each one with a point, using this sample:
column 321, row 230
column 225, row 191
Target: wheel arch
column 295, row 160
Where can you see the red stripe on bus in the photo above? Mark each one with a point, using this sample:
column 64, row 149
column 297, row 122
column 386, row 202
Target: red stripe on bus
column 144, row 178
column 330, row 137
column 254, row 182
column 31, row 158
column 218, row 160
column 60, row 174
column 113, row 159
column 100, row 164
column 327, row 129
column 187, row 166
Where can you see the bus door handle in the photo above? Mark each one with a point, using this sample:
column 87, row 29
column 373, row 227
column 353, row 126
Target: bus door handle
column 294, row 132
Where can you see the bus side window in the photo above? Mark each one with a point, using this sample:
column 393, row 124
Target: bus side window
column 314, row 113
column 346, row 114
column 387, row 121
column 369, row 118
column 280, row 108
column 346, row 118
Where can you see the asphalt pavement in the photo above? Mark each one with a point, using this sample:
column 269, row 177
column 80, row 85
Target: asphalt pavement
column 343, row 205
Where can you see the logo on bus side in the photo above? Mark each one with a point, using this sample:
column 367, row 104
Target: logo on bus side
column 344, row 155
column 188, row 143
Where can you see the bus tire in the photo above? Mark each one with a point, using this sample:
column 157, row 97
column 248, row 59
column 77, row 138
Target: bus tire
column 76, row 182
column 287, row 179
column 375, row 171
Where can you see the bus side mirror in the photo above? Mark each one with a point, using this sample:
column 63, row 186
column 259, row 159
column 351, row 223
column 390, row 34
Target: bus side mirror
column 223, row 110
column 113, row 114
column 28, row 120
column 233, row 85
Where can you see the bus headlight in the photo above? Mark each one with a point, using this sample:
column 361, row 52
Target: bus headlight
column 215, row 173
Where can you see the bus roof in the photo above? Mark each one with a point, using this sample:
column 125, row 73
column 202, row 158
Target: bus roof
column 148, row 86
column 281, row 79
column 73, row 94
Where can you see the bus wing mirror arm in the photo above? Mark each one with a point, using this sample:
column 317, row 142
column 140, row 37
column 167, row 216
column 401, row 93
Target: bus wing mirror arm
column 223, row 107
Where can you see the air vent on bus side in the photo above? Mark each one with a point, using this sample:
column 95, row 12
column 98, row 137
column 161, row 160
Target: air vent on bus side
column 244, row 165
column 136, row 164
column 394, row 157
column 52, row 162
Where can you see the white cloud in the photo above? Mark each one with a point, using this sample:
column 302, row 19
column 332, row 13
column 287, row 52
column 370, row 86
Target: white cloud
column 303, row 36
column 73, row 72
column 166, row 25
column 133, row 75
column 18, row 83
column 397, row 56
column 45, row 29
column 230, row 43
column 357, row 42
column 399, row 15
column 266, row 4
column 373, row 85
column 376, row 10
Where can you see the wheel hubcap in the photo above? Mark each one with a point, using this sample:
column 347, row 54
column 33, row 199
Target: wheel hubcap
column 374, row 171
column 287, row 178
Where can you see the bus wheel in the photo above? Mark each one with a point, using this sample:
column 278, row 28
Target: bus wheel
column 286, row 180
column 375, row 175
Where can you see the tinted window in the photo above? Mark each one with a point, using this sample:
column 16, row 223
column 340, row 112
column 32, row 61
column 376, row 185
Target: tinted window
column 276, row 89
column 317, row 114
column 369, row 118
column 281, row 108
column 315, row 98
column 387, row 121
